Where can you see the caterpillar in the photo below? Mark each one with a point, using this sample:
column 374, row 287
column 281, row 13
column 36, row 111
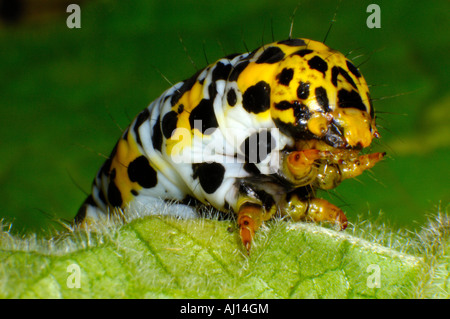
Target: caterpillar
column 255, row 134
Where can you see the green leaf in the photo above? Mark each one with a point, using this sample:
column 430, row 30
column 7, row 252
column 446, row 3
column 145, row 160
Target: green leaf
column 164, row 257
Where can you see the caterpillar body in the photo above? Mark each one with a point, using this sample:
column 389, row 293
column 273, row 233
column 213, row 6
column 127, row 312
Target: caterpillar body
column 255, row 134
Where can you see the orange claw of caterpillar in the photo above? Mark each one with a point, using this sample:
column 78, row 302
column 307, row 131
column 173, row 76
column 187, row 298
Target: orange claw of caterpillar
column 246, row 233
column 246, row 230
column 321, row 210
column 357, row 167
column 299, row 162
column 249, row 220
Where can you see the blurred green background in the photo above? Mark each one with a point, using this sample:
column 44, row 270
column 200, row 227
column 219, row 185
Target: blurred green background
column 65, row 94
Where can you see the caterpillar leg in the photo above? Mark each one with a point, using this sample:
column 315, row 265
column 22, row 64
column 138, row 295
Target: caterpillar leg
column 249, row 220
column 331, row 172
column 321, row 210
column 298, row 167
column 314, row 209
column 251, row 215
column 326, row 169
column 356, row 167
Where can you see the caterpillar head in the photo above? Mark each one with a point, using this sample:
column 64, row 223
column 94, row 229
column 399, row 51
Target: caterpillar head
column 317, row 93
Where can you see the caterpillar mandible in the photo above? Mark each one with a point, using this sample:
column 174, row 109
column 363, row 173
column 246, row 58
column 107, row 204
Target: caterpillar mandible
column 254, row 133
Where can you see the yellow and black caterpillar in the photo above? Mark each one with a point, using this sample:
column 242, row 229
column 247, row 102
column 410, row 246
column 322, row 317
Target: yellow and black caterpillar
column 255, row 133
